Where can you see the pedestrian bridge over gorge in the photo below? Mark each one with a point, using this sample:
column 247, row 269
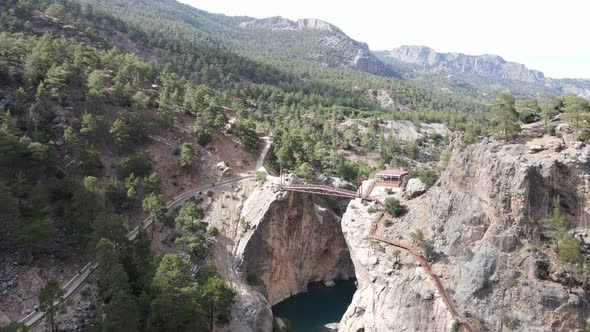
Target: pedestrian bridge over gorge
column 328, row 190
column 322, row 190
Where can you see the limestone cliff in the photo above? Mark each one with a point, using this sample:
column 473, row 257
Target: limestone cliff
column 482, row 219
column 296, row 241
column 273, row 245
column 388, row 297
column 488, row 66
column 281, row 23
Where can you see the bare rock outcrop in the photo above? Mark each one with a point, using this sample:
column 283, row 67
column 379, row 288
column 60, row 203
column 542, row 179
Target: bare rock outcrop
column 489, row 65
column 387, row 298
column 481, row 217
column 281, row 23
column 383, row 97
column 415, row 188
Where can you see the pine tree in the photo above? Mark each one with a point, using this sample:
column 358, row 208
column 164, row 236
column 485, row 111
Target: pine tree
column 142, row 267
column 110, row 228
column 121, row 313
column 187, row 155
column 154, row 205
column 111, row 273
column 95, row 95
column 9, row 215
column 91, row 126
column 50, row 297
column 190, row 215
column 504, row 117
column 577, row 112
column 86, row 204
column 36, row 231
column 152, row 183
column 556, row 226
column 176, row 307
column 549, row 105
column 217, row 300
column 570, row 251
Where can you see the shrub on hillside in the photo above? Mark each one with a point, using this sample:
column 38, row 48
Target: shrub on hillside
column 212, row 230
column 260, row 176
column 139, row 164
column 394, row 207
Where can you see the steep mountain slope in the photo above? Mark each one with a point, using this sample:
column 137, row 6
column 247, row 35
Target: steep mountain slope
column 111, row 108
column 276, row 37
column 310, row 57
column 105, row 117
column 314, row 39
column 482, row 71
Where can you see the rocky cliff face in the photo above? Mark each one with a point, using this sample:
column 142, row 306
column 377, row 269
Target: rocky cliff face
column 389, row 297
column 280, row 23
column 274, row 244
column 297, row 241
column 489, row 65
column 482, row 219
column 580, row 87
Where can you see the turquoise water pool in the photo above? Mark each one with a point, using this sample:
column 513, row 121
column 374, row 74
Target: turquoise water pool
column 320, row 305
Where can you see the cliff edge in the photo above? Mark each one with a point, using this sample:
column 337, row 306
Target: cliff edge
column 482, row 221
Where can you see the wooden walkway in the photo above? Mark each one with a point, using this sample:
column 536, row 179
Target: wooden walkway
column 414, row 251
column 322, row 190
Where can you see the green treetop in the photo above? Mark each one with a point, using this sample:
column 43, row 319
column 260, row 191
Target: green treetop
column 504, row 117
column 187, row 155
column 577, row 112
column 49, row 298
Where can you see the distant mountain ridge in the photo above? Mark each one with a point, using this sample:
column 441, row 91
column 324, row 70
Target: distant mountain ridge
column 346, row 51
column 486, row 64
column 281, row 23
column 493, row 66
column 303, row 46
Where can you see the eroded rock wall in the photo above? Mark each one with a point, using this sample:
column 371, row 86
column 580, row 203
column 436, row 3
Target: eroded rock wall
column 388, row 297
column 296, row 242
column 482, row 218
column 272, row 245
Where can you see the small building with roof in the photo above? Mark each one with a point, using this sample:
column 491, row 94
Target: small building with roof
column 391, row 177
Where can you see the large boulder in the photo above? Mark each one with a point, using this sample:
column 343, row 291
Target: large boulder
column 332, row 181
column 536, row 148
column 221, row 165
column 564, row 128
column 415, row 188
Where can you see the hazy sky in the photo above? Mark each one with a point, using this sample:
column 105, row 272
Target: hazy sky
column 547, row 35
